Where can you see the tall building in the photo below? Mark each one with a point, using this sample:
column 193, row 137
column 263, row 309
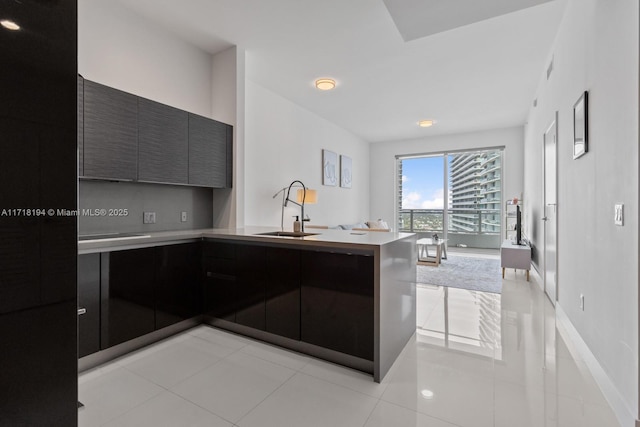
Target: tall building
column 474, row 184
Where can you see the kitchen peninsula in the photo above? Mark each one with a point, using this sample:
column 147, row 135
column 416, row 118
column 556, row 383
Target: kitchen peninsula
column 344, row 296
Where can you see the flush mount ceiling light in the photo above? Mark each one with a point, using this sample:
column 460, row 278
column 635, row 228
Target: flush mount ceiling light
column 325, row 84
column 427, row 394
column 426, row 123
column 9, row 25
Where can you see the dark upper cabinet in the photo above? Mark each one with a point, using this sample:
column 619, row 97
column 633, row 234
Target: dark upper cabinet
column 110, row 133
column 250, row 285
column 125, row 137
column 282, row 292
column 127, row 295
column 178, row 292
column 229, row 178
column 80, row 112
column 337, row 302
column 89, row 301
column 209, row 151
column 162, row 143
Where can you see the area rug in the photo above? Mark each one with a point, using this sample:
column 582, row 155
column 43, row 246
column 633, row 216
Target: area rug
column 472, row 273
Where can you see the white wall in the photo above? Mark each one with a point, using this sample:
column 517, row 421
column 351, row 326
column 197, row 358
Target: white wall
column 118, row 48
column 596, row 50
column 228, row 106
column 284, row 142
column 383, row 162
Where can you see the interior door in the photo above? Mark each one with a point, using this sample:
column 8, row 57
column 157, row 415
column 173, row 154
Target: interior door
column 550, row 210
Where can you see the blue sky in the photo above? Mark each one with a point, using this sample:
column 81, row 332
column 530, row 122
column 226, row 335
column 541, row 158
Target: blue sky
column 422, row 183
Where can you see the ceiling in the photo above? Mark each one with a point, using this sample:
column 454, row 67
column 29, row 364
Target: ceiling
column 468, row 76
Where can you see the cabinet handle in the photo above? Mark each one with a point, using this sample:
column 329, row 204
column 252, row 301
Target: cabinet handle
column 81, row 311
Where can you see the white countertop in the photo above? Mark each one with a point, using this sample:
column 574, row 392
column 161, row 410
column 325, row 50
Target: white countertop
column 323, row 238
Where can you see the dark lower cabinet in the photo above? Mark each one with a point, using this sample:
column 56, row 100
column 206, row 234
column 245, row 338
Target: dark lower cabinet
column 337, row 302
column 130, row 293
column 282, row 292
column 89, row 304
column 220, row 280
column 178, row 289
column 250, row 285
column 127, row 290
column 322, row 298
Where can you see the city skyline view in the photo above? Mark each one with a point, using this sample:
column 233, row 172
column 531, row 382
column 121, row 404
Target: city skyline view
column 422, row 183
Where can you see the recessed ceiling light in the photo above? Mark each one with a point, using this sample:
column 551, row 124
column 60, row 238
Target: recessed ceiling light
column 10, row 25
column 325, row 84
column 426, row 123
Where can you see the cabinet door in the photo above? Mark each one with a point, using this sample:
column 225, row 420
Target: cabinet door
column 229, row 165
column 110, row 133
column 163, row 143
column 207, row 152
column 127, row 297
column 283, row 292
column 220, row 280
column 89, row 300
column 337, row 302
column 80, row 112
column 178, row 289
column 250, row 285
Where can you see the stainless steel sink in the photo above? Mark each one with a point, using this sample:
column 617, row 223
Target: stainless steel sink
column 287, row 234
column 111, row 236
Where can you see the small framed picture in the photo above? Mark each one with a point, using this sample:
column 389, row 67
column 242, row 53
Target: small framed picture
column 581, row 126
column 329, row 168
column 345, row 171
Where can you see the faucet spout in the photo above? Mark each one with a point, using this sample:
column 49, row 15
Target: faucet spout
column 304, row 196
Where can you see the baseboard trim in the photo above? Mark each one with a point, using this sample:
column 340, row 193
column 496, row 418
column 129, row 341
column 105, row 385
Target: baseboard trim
column 625, row 415
column 103, row 356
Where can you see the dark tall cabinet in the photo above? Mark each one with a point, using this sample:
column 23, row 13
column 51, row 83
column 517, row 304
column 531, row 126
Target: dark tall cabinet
column 38, row 303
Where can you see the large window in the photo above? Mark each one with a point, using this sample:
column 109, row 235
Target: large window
column 456, row 195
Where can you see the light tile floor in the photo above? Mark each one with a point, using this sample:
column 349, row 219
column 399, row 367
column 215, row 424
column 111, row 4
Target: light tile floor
column 476, row 360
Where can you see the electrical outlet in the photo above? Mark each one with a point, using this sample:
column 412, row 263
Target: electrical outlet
column 582, row 302
column 619, row 214
column 149, row 218
column 183, row 217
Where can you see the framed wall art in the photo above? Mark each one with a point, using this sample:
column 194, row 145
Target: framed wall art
column 329, row 168
column 581, row 126
column 346, row 174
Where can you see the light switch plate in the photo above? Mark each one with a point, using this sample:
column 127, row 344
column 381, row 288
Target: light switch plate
column 183, row 217
column 619, row 214
column 149, row 218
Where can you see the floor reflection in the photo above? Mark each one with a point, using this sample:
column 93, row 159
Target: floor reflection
column 498, row 356
column 459, row 319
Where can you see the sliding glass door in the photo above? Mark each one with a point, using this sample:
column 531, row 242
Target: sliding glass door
column 455, row 195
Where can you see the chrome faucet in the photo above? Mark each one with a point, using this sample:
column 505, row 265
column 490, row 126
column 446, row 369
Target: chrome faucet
column 304, row 196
